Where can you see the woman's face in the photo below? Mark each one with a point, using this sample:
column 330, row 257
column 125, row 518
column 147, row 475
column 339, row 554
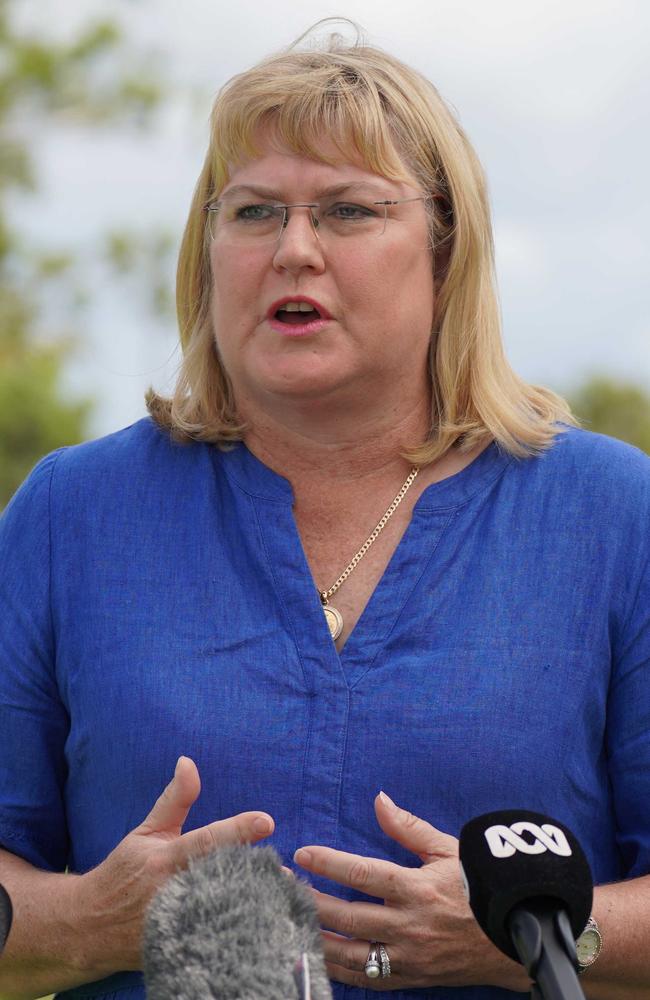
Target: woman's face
column 377, row 292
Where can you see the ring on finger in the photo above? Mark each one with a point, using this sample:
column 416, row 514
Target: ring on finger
column 378, row 962
column 372, row 968
column 385, row 961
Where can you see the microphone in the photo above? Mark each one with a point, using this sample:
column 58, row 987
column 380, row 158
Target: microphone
column 234, row 926
column 530, row 889
column 6, row 916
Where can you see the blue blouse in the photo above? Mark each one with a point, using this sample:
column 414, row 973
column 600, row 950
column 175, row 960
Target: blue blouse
column 155, row 601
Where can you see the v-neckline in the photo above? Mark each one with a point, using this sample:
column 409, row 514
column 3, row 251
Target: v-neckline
column 272, row 499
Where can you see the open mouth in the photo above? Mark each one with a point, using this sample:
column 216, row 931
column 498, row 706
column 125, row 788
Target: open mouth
column 297, row 317
column 297, row 313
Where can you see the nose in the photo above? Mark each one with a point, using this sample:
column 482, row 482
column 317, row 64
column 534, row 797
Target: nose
column 299, row 245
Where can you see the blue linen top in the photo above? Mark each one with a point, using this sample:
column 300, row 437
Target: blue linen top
column 155, row 600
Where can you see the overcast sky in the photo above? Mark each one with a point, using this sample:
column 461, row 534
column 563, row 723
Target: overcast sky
column 554, row 95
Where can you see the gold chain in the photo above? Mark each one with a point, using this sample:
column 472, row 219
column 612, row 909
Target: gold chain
column 354, row 562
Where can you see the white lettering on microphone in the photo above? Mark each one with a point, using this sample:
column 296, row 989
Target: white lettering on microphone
column 504, row 841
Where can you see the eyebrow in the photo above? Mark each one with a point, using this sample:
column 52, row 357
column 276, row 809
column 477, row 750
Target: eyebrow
column 264, row 192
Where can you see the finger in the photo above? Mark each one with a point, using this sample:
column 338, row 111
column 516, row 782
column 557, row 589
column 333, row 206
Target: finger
column 245, row 828
column 413, row 833
column 345, row 953
column 365, row 921
column 359, row 979
column 371, row 876
column 172, row 806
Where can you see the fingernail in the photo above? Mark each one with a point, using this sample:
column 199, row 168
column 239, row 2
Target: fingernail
column 386, row 799
column 302, row 857
column 261, row 825
column 178, row 763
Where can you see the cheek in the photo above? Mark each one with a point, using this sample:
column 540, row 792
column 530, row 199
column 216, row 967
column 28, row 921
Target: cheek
column 228, row 324
column 233, row 302
column 235, row 283
column 396, row 289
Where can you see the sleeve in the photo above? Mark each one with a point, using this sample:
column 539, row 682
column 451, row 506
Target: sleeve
column 628, row 726
column 33, row 720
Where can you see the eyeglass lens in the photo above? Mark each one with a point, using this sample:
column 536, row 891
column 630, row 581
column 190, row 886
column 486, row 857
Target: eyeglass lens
column 239, row 222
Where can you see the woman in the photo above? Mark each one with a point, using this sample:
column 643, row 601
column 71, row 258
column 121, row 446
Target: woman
column 354, row 560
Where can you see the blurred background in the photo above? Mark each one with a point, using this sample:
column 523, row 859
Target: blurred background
column 103, row 128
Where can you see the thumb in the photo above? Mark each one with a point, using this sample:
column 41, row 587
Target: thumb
column 172, row 806
column 413, row 833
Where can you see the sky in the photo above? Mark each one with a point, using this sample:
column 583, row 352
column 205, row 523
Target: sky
column 554, row 96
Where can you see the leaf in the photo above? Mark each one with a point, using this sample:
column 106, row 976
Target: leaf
column 620, row 409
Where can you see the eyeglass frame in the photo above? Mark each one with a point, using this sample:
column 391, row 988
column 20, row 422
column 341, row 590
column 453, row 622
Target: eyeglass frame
column 214, row 206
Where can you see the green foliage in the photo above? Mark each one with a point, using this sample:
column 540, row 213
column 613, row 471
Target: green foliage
column 619, row 409
column 66, row 77
column 87, row 81
column 140, row 254
column 33, row 412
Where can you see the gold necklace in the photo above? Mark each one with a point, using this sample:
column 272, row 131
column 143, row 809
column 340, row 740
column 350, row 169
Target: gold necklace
column 333, row 616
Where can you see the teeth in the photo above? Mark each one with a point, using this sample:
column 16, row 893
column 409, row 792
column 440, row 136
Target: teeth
column 294, row 307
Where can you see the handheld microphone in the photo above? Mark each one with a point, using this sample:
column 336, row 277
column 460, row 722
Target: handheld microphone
column 6, row 916
column 234, row 926
column 530, row 889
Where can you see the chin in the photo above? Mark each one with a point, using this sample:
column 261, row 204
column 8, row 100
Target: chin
column 302, row 390
column 301, row 381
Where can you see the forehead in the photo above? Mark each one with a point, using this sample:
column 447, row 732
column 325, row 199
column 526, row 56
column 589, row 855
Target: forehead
column 293, row 174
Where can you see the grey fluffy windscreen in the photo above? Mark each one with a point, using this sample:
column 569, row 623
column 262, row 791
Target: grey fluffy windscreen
column 232, row 926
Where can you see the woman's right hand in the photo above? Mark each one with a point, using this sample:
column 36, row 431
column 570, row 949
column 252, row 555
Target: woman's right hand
column 114, row 896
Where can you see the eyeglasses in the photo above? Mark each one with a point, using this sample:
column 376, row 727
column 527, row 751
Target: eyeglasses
column 241, row 222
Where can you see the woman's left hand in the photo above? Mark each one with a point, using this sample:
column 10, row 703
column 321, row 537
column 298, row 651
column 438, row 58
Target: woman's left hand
column 425, row 922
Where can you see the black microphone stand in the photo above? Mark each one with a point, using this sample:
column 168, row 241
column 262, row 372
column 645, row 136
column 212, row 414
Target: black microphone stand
column 6, row 916
column 541, row 933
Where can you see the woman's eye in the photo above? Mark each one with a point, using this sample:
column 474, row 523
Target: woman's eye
column 352, row 212
column 255, row 213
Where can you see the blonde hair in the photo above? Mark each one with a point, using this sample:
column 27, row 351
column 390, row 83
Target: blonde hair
column 395, row 119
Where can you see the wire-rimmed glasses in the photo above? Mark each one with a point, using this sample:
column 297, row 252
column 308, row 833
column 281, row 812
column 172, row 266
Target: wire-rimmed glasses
column 242, row 221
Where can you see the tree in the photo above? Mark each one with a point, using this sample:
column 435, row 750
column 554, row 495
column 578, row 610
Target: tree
column 620, row 409
column 42, row 80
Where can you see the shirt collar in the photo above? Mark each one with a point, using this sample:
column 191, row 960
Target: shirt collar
column 256, row 479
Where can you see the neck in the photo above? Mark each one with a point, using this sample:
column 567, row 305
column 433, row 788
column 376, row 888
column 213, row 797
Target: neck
column 312, row 451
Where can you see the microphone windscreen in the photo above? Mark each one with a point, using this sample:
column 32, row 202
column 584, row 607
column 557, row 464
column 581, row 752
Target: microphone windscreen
column 512, row 856
column 233, row 926
column 6, row 916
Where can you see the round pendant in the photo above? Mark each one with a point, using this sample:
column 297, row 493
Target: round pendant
column 334, row 620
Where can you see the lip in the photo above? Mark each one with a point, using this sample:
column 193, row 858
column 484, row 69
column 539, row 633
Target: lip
column 297, row 329
column 324, row 314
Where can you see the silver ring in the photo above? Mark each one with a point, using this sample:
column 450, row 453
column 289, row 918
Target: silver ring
column 372, row 968
column 378, row 962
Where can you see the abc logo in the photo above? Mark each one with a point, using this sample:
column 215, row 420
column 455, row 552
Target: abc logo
column 504, row 841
